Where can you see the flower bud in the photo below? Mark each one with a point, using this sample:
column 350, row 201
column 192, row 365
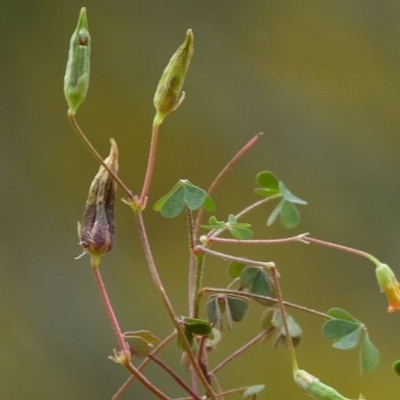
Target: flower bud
column 389, row 285
column 169, row 95
column 76, row 79
column 97, row 229
column 315, row 388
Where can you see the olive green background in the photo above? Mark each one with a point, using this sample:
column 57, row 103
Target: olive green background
column 320, row 78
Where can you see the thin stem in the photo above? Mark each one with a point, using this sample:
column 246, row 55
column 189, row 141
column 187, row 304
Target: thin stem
column 97, row 156
column 289, row 341
column 198, row 281
column 247, row 210
column 239, row 351
column 293, row 239
column 223, row 172
column 339, row 247
column 124, row 354
column 173, row 374
column 265, row 298
column 94, row 262
column 194, row 267
column 233, row 258
column 130, row 380
column 160, row 287
column 140, row 377
column 193, row 274
column 150, row 166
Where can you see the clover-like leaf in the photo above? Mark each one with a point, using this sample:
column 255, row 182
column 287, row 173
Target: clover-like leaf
column 257, row 281
column 197, row 326
column 286, row 210
column 289, row 196
column 269, row 184
column 234, row 307
column 239, row 230
column 294, row 328
column 345, row 334
column 241, row 233
column 369, row 354
column 183, row 194
column 213, row 309
column 289, row 215
column 141, row 342
column 138, row 346
column 235, row 269
column 339, row 313
column 237, row 307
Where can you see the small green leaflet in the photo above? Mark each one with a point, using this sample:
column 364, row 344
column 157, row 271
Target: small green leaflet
column 286, row 209
column 347, row 332
column 239, row 230
column 183, row 194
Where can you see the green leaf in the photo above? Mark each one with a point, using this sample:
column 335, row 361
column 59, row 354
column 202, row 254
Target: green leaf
column 349, row 341
column 369, row 355
column 232, row 220
column 194, row 196
column 138, row 346
column 396, row 367
column 209, row 204
column 269, row 183
column 267, row 319
column 344, row 334
column 252, row 391
column 339, row 313
column 213, row 309
column 238, row 307
column 275, row 213
column 197, row 326
column 289, row 216
column 145, row 335
column 182, row 194
column 235, row 269
column 213, row 223
column 257, row 281
column 241, row 233
column 295, row 330
column 288, row 196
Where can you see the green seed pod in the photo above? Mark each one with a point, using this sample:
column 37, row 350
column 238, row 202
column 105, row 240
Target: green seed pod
column 315, row 388
column 97, row 230
column 169, row 95
column 76, row 79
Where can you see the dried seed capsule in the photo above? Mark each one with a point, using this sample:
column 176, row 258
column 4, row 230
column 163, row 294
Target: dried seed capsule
column 76, row 79
column 169, row 93
column 97, row 229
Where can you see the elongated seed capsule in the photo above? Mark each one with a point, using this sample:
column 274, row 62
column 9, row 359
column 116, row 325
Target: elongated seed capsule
column 169, row 95
column 315, row 388
column 97, row 229
column 76, row 79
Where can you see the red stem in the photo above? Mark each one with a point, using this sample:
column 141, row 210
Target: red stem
column 150, row 167
column 107, row 304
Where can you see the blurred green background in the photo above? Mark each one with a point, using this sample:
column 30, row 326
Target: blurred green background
column 321, row 79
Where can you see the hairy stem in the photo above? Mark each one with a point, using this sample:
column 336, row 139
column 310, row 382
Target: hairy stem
column 167, row 303
column 289, row 341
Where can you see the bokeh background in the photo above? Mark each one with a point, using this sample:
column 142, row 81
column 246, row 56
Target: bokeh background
column 321, row 79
